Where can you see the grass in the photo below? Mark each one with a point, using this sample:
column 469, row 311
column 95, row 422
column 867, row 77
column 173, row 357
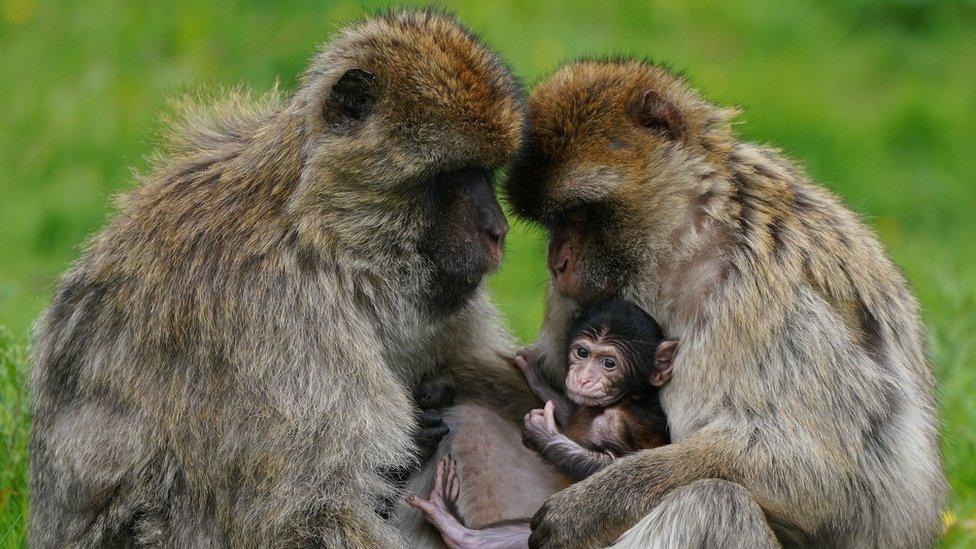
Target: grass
column 877, row 99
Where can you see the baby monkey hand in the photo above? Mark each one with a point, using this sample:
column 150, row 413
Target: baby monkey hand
column 540, row 429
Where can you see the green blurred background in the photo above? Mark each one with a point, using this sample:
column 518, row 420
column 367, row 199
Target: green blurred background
column 877, row 99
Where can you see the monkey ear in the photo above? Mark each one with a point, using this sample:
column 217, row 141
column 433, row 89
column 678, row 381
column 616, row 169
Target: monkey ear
column 652, row 111
column 663, row 360
column 351, row 98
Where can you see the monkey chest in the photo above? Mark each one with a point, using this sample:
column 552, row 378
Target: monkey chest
column 599, row 429
column 618, row 430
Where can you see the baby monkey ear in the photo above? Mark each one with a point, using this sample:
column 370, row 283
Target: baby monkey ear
column 351, row 98
column 652, row 111
column 663, row 360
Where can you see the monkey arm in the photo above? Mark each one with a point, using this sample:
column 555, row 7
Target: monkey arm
column 542, row 389
column 540, row 433
column 571, row 459
column 594, row 512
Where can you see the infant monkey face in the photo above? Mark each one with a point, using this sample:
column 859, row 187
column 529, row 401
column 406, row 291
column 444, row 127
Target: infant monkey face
column 597, row 372
column 602, row 372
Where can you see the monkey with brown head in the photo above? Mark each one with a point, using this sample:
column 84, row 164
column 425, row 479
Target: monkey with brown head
column 231, row 360
column 801, row 408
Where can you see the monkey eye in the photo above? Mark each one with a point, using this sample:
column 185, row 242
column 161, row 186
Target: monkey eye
column 582, row 352
column 424, row 396
column 609, row 363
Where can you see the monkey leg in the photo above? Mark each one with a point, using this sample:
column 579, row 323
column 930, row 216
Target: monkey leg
column 437, row 508
column 502, row 479
column 705, row 513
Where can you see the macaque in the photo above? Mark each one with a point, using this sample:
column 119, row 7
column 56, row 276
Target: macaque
column 618, row 358
column 802, row 408
column 230, row 362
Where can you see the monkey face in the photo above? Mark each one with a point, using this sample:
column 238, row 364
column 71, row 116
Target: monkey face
column 410, row 116
column 610, row 170
column 597, row 372
column 465, row 236
column 585, row 261
column 616, row 349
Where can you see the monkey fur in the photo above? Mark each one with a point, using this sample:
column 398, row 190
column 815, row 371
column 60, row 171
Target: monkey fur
column 608, row 409
column 618, row 412
column 231, row 360
column 802, row 401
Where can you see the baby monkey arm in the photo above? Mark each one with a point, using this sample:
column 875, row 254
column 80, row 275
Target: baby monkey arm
column 543, row 435
column 546, row 392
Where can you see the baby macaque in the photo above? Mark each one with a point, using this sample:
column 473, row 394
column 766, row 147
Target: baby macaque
column 618, row 359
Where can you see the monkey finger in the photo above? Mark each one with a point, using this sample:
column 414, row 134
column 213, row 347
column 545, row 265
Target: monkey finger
column 529, row 354
column 425, row 506
column 430, row 418
column 433, row 434
column 451, row 471
column 455, row 489
column 447, row 472
column 535, row 420
column 438, row 478
column 550, row 416
column 450, row 477
column 520, row 362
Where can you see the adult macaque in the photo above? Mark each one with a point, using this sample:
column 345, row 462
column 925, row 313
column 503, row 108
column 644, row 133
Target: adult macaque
column 231, row 360
column 618, row 358
column 801, row 408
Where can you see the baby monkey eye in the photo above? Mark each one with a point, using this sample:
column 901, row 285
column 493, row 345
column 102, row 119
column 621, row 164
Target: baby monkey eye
column 609, row 363
column 581, row 352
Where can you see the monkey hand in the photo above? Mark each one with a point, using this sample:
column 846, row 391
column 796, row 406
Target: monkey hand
column 528, row 364
column 596, row 511
column 540, row 428
column 574, row 517
column 529, row 354
column 429, row 433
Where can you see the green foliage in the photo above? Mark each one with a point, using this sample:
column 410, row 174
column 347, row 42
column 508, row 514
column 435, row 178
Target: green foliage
column 876, row 98
column 13, row 440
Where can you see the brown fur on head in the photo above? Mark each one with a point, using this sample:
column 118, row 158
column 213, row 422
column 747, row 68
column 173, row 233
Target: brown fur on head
column 597, row 126
column 442, row 98
column 381, row 157
column 407, row 116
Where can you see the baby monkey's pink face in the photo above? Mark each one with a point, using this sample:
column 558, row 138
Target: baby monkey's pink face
column 597, row 372
column 601, row 373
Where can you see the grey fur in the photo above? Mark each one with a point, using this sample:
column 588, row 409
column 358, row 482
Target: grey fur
column 802, row 377
column 230, row 361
